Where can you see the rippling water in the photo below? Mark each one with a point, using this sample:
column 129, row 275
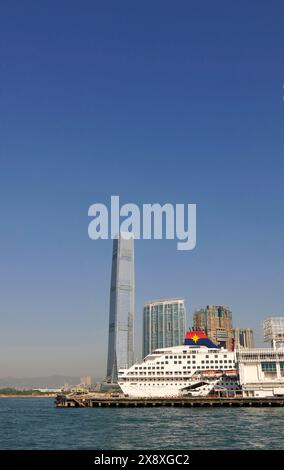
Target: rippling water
column 34, row 423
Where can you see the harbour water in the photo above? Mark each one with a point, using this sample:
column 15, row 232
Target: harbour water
column 34, row 423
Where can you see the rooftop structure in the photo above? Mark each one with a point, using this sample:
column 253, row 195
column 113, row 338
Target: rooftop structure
column 273, row 331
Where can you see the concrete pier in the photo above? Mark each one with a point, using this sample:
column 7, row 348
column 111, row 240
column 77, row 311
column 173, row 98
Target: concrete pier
column 125, row 402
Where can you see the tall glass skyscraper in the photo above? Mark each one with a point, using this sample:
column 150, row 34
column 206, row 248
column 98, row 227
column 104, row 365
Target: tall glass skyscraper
column 163, row 324
column 121, row 309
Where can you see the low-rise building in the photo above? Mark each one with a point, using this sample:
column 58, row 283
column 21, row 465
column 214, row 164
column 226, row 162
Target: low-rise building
column 261, row 371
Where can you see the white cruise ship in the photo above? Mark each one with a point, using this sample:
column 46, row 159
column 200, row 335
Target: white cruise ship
column 197, row 368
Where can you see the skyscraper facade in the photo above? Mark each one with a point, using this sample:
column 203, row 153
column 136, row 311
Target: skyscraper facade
column 163, row 324
column 216, row 322
column 121, row 309
column 244, row 338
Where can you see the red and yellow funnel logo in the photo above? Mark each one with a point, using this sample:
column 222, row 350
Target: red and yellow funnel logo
column 195, row 335
column 199, row 338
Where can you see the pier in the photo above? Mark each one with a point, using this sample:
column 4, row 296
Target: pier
column 85, row 401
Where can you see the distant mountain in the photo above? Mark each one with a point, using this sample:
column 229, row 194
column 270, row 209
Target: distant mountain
column 52, row 381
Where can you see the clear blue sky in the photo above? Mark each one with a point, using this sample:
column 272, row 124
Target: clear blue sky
column 155, row 101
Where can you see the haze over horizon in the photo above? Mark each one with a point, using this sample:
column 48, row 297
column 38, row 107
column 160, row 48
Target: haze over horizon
column 153, row 102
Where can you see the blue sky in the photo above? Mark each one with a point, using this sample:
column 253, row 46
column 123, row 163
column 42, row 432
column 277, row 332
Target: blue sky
column 160, row 101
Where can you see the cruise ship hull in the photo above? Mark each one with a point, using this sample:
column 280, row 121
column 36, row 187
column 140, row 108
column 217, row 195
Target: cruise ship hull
column 136, row 391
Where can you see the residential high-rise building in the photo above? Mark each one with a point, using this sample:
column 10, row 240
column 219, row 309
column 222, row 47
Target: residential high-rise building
column 163, row 324
column 121, row 310
column 244, row 338
column 216, row 322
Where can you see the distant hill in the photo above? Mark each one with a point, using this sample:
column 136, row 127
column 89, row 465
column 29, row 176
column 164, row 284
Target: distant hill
column 52, row 381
